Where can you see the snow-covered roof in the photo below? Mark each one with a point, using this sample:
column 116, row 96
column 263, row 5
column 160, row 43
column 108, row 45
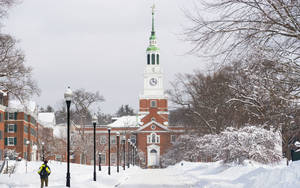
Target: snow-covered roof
column 127, row 121
column 47, row 119
column 28, row 107
column 60, row 131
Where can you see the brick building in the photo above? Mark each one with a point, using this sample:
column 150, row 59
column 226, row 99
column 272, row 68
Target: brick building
column 149, row 131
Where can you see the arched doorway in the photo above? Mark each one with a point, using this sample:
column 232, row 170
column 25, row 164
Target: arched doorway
column 153, row 158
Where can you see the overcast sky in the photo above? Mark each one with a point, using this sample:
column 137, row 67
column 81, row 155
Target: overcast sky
column 99, row 45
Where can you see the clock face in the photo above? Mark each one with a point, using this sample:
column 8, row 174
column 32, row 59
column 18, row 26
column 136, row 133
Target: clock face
column 153, row 81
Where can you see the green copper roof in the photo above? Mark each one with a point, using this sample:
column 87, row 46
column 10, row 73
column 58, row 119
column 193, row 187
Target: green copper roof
column 152, row 48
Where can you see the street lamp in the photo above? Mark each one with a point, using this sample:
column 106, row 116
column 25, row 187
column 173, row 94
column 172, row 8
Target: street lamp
column 118, row 141
column 43, row 151
column 108, row 151
column 7, row 158
column 95, row 119
column 128, row 148
column 27, row 157
column 99, row 161
column 124, row 142
column 68, row 97
column 132, row 153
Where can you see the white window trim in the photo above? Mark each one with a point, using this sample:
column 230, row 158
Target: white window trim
column 10, row 125
column 8, row 143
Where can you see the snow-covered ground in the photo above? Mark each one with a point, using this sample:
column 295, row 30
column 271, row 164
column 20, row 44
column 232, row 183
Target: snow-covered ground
column 208, row 175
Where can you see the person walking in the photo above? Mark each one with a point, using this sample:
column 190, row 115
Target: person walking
column 44, row 172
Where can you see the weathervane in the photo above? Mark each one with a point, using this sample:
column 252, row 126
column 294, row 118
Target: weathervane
column 153, row 7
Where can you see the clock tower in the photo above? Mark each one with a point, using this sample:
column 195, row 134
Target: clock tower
column 153, row 101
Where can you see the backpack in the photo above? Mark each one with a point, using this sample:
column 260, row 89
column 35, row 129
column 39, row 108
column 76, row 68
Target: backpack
column 43, row 172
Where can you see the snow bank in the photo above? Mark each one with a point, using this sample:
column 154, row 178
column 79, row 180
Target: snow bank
column 181, row 175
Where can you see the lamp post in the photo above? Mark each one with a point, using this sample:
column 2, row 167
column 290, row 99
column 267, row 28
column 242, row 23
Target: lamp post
column 43, row 150
column 128, row 148
column 99, row 161
column 108, row 151
column 94, row 124
column 118, row 141
column 7, row 158
column 132, row 153
column 27, row 157
column 124, row 142
column 68, row 97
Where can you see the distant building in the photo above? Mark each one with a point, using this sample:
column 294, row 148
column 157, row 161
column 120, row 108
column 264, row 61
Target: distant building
column 149, row 131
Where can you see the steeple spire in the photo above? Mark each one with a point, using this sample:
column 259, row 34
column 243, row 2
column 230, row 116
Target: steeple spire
column 153, row 32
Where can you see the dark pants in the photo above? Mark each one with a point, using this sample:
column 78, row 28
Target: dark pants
column 44, row 180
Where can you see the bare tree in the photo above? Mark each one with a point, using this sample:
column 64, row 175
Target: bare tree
column 83, row 101
column 202, row 100
column 235, row 26
column 15, row 77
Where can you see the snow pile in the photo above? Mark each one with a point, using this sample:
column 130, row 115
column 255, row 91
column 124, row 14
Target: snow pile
column 181, row 175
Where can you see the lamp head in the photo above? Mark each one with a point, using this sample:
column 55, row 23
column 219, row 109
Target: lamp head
column 118, row 133
column 94, row 119
column 27, row 142
column 68, row 94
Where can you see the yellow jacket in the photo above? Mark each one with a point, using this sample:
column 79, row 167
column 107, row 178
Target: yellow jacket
column 47, row 169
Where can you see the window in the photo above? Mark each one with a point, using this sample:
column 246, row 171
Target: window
column 153, row 119
column 173, row 138
column 32, row 120
column 25, row 129
column 113, row 158
column 133, row 138
column 153, row 138
column 102, row 139
column 58, row 157
column 11, row 128
column 26, row 117
column 0, row 135
column 103, row 159
column 157, row 59
column 113, row 139
column 1, row 117
column 33, row 132
column 153, row 127
column 153, row 104
column 148, row 59
column 153, row 59
column 11, row 116
column 11, row 141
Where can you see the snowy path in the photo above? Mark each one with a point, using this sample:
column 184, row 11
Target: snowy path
column 152, row 178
